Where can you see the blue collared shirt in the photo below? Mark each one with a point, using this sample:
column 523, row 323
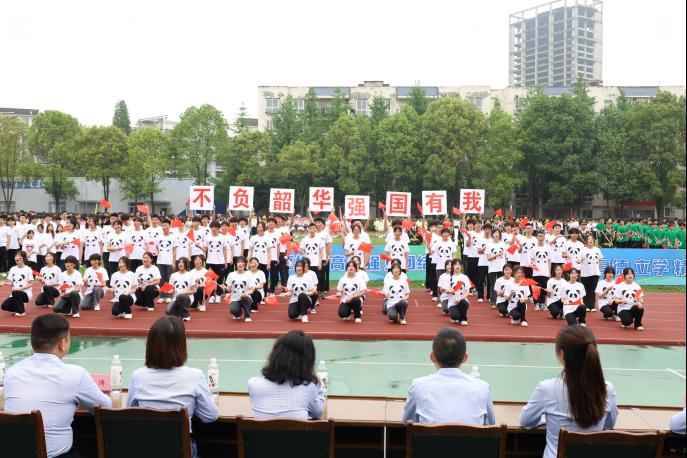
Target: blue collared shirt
column 549, row 404
column 272, row 400
column 449, row 396
column 677, row 423
column 43, row 382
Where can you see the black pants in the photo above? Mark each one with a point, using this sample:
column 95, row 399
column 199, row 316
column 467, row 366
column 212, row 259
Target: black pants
column 518, row 313
column 48, row 296
column 242, row 306
column 321, row 278
column 471, row 271
column 179, row 306
column 135, row 264
column 355, row 306
column 274, row 276
column 40, row 261
column 283, row 269
column 492, row 277
column 198, row 298
column 146, row 297
column 541, row 281
column 256, row 298
column 219, row 270
column 432, row 278
column 165, row 272
column 318, row 273
column 556, row 309
column 4, row 265
column 15, row 303
column 635, row 314
column 300, row 307
column 459, row 311
column 482, row 278
column 437, row 273
column 609, row 309
column 325, row 268
column 589, row 284
column 11, row 253
column 427, row 281
column 68, row 304
column 528, row 271
column 123, row 304
column 397, row 311
column 576, row 316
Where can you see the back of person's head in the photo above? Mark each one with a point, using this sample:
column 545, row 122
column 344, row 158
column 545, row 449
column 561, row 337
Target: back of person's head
column 583, row 375
column 449, row 347
column 291, row 360
column 47, row 331
column 166, row 344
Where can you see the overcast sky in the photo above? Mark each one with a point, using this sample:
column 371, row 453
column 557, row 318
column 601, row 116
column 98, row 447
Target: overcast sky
column 81, row 56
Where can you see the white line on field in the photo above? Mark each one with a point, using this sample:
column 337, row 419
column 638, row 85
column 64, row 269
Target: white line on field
column 676, row 373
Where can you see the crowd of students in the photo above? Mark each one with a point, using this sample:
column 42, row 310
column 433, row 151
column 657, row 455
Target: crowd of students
column 579, row 399
column 187, row 265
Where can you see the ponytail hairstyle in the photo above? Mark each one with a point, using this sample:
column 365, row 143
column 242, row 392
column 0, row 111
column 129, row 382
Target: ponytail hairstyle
column 582, row 373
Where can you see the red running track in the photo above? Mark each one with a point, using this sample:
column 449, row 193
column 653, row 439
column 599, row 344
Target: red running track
column 664, row 322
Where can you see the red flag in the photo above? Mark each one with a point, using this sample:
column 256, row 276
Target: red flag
column 232, row 231
column 65, row 286
column 421, row 231
column 272, row 301
column 128, row 248
column 620, row 279
column 142, row 209
column 332, row 217
column 577, row 302
column 284, row 239
column 37, row 274
column 191, row 235
column 511, row 214
column 472, row 285
column 458, row 286
column 293, row 246
column 550, row 224
column 513, row 248
column 498, row 213
column 211, row 275
column 366, row 247
column 76, row 242
column 166, row 288
column 177, row 223
column 639, row 293
column 446, row 224
column 374, row 292
column 385, row 257
column 536, row 291
column 419, row 207
column 428, row 238
column 151, row 243
column 567, row 266
column 99, row 275
column 209, row 286
column 528, row 282
column 407, row 224
column 381, row 206
column 456, row 211
column 334, row 227
column 523, row 222
column 105, row 204
column 65, row 229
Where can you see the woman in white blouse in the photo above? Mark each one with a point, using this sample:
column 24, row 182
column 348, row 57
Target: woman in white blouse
column 148, row 278
column 20, row 277
column 71, row 283
column 579, row 399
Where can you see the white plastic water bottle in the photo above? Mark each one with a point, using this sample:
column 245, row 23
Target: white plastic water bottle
column 2, row 370
column 323, row 375
column 116, row 381
column 213, row 379
column 475, row 373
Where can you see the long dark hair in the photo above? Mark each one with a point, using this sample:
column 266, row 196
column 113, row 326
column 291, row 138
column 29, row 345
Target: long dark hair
column 583, row 374
column 292, row 360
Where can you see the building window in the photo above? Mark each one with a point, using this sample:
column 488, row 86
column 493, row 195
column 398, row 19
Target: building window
column 299, row 104
column 269, row 125
column 387, row 103
column 669, row 212
column 518, row 211
column 361, row 107
column 271, row 105
column 477, row 102
column 589, row 198
column 586, row 214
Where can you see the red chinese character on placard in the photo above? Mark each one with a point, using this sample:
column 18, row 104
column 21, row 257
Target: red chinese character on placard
column 322, row 198
column 398, row 204
column 434, row 203
column 282, row 202
column 472, row 201
column 202, row 197
column 241, row 198
column 357, row 207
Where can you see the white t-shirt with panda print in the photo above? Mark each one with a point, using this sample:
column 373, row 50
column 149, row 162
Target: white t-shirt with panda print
column 259, row 279
column 507, row 239
column 70, row 248
column 117, row 241
column 199, row 276
column 273, row 238
column 600, row 288
column 146, row 274
column 500, row 286
column 573, row 250
column 140, row 241
column 444, row 282
column 521, row 292
column 297, row 285
column 557, row 287
column 239, row 283
column 30, row 247
column 557, row 248
column 396, row 289
column 527, row 244
column 105, row 232
column 499, row 249
column 572, row 292
column 482, row 243
column 540, row 256
column 230, row 241
column 312, row 247
column 326, row 239
column 626, row 292
column 21, row 278
column 154, row 234
column 313, row 278
column 461, row 285
column 363, row 276
column 123, row 283
column 51, row 275
column 260, row 245
column 352, row 246
column 444, row 250
column 397, row 249
column 183, row 283
column 350, row 286
column 590, row 258
column 74, row 279
column 215, row 245
column 90, row 278
column 183, row 243
column 91, row 241
column 166, row 244
column 199, row 238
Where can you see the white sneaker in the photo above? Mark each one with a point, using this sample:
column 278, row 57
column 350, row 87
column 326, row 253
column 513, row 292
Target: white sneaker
column 463, row 323
column 616, row 318
column 96, row 307
column 523, row 324
column 304, row 319
column 403, row 322
column 480, row 300
column 623, row 326
column 160, row 301
column 640, row 328
column 247, row 320
column 128, row 316
column 438, row 304
column 512, row 321
column 493, row 307
column 313, row 311
column 235, row 317
column 217, row 300
column 593, row 310
column 583, row 325
column 434, row 299
column 201, row 308
column 358, row 320
column 76, row 315
column 20, row 314
column 150, row 309
column 453, row 321
column 186, row 318
column 262, row 302
column 346, row 318
column 121, row 315
column 168, row 300
column 113, row 300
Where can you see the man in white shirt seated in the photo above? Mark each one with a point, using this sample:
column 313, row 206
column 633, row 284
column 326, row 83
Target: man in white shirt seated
column 449, row 395
column 43, row 382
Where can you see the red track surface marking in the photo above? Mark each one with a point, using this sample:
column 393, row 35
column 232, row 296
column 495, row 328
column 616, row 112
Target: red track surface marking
column 664, row 322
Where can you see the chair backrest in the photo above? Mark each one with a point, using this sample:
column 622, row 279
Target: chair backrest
column 429, row 441
column 285, row 438
column 603, row 444
column 22, row 435
column 142, row 432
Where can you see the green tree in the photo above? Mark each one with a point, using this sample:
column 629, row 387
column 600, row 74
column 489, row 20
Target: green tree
column 400, row 154
column 345, row 156
column 337, row 107
column 417, row 98
column 121, row 117
column 201, row 133
column 53, row 140
column 311, row 120
column 378, row 110
column 102, row 154
column 241, row 124
column 14, row 156
column 285, row 122
column 147, row 164
column 299, row 167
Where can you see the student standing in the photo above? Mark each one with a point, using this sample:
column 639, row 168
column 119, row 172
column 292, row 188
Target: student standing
column 590, row 261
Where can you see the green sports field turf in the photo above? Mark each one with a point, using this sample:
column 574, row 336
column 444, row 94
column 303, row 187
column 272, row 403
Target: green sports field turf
column 649, row 376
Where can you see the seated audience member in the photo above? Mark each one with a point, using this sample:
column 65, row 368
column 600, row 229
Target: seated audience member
column 449, row 395
column 677, row 423
column 165, row 382
column 288, row 386
column 43, row 382
column 579, row 399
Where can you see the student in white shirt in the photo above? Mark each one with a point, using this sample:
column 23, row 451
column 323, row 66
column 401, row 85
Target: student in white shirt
column 573, row 248
column 312, row 247
column 116, row 242
column 554, row 292
column 5, row 237
column 258, row 294
column 261, row 249
column 198, row 272
column 148, row 280
column 604, row 295
column 288, row 390
column 527, row 242
column 590, row 261
column 216, row 258
column 20, row 277
column 71, row 283
column 444, row 287
column 630, row 301
column 240, row 285
column 139, row 239
column 352, row 243
column 556, row 242
column 302, row 289
column 31, row 246
column 166, row 244
column 500, row 287
column 351, row 289
column 483, row 264
column 67, row 241
column 50, row 278
column 124, row 286
column 496, row 258
column 518, row 296
column 573, row 295
column 184, row 287
column 397, row 249
column 95, row 278
column 314, row 298
column 283, row 227
column 91, row 240
column 45, row 242
column 396, row 292
column 579, row 399
column 326, row 237
column 460, row 290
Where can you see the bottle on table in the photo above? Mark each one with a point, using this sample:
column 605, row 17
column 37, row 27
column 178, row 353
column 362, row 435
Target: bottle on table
column 213, row 379
column 116, row 382
column 475, row 373
column 323, row 375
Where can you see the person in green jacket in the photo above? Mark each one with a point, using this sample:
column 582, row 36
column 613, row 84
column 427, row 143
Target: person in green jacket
column 621, row 235
column 682, row 243
column 637, row 237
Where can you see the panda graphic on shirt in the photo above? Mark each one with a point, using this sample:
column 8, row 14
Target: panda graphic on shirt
column 50, row 277
column 348, row 289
